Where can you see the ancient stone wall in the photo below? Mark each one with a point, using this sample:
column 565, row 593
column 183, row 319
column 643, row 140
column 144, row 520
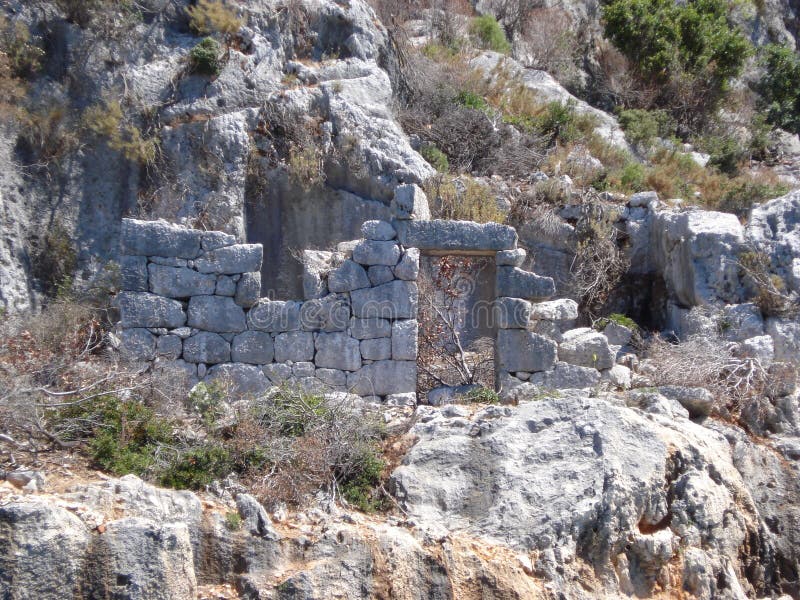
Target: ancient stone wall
column 193, row 298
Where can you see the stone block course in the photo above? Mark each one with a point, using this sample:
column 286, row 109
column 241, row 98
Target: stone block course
column 216, row 313
column 142, row 309
column 206, row 347
column 179, row 282
column 371, row 252
column 241, row 258
column 254, row 347
column 159, row 238
column 456, row 236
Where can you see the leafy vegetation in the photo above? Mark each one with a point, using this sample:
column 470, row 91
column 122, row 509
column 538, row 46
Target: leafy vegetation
column 780, row 87
column 435, row 157
column 108, row 121
column 490, row 34
column 483, row 395
column 209, row 17
column 55, row 260
column 204, row 57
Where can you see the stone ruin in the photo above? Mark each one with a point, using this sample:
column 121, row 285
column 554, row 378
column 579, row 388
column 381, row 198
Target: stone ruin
column 192, row 299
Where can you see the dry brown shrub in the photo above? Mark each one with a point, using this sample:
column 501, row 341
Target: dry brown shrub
column 550, row 38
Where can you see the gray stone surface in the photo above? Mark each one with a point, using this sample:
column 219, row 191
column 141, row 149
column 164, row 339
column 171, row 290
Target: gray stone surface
column 330, row 313
column 254, row 347
column 384, row 377
column 516, row 283
column 274, row 316
column 760, row 347
column 405, row 335
column 456, row 236
column 379, row 274
column 216, row 313
column 376, row 349
column 137, row 344
column 349, row 276
column 169, row 346
column 378, row 230
column 212, row 240
column 405, row 399
column 332, row 377
column 363, row 329
column 616, row 334
column 511, row 258
column 133, row 273
column 741, row 321
column 277, row 373
column 567, row 376
column 303, row 369
column 512, row 313
column 295, row 346
column 519, row 350
column 337, row 351
column 698, row 401
column 158, row 238
column 410, row 202
column 785, row 335
column 370, row 252
column 206, row 347
column 141, row 309
column 563, row 310
column 241, row 258
column 248, row 289
column 450, row 394
column 393, row 300
column 225, row 286
column 408, row 267
column 316, row 266
column 587, row 348
column 180, row 282
column 168, row 261
column 245, row 380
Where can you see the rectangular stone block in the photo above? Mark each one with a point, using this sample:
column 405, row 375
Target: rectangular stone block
column 332, row 377
column 408, row 267
column 383, row 378
column 207, row 348
column 516, row 283
column 376, row 349
column 348, row 277
column 520, row 350
column 405, row 339
column 331, row 313
column 254, row 347
column 137, row 344
column 213, row 240
column 410, row 202
column 337, row 351
column 241, row 258
column 456, row 236
column 133, row 272
column 248, row 289
column 512, row 313
column 216, row 313
column 180, row 282
column 141, row 309
column 274, row 316
column 364, row 329
column 294, row 346
column 159, row 238
column 371, row 252
column 393, row 300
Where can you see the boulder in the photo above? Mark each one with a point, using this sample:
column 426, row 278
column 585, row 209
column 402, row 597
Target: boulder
column 295, row 346
column 516, row 283
column 180, row 282
column 566, row 376
column 348, row 277
column 616, row 334
column 206, row 347
column 698, row 401
column 274, row 316
column 248, row 289
column 563, row 310
column 169, row 347
column 378, row 230
column 384, row 377
column 456, row 236
column 141, row 309
column 158, row 238
column 619, row 376
column 337, row 351
column 408, row 267
column 405, row 335
column 216, row 313
column 231, row 260
column 587, row 348
column 511, row 258
column 410, row 202
column 405, row 399
column 393, row 300
column 520, row 350
column 740, row 321
column 370, row 252
column 253, row 347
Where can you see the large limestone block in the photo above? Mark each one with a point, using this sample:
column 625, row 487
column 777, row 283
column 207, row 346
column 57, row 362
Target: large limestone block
column 511, row 258
column 216, row 313
column 364, row 329
column 133, row 272
column 456, row 236
column 410, row 202
column 294, row 346
column 169, row 347
column 231, row 260
column 405, row 334
column 43, row 550
column 141, row 309
column 206, row 347
column 379, row 274
column 520, row 350
column 512, row 313
column 137, row 344
column 408, row 267
column 254, row 347
column 587, row 348
column 245, row 380
column 337, row 351
column 384, row 377
column 371, row 252
column 180, row 282
column 563, row 310
column 378, row 230
column 567, row 376
column 516, row 283
column 212, row 240
column 248, row 289
column 393, row 300
column 331, row 313
column 376, row 349
column 159, row 238
column 316, row 265
column 274, row 316
column 348, row 277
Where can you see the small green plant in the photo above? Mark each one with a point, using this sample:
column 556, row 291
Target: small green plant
column 55, row 261
column 207, row 399
column 642, row 127
column 780, row 87
column 472, row 100
column 204, row 57
column 546, row 394
column 198, row 467
column 483, row 395
column 358, row 487
column 109, row 121
column 233, row 521
column 726, row 154
column 213, row 17
column 293, row 410
column 489, row 34
column 17, row 45
column 617, row 318
column 435, row 157
column 306, row 166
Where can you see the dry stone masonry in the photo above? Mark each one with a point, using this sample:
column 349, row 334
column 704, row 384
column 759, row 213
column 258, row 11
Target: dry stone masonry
column 193, row 298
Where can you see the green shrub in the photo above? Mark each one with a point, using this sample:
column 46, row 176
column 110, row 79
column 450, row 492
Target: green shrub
column 472, row 100
column 726, row 154
column 233, row 521
column 619, row 319
column 206, row 399
column 358, row 487
column 109, row 121
column 293, row 410
column 198, row 467
column 643, row 126
column 204, row 57
column 490, row 34
column 435, row 157
column 483, row 395
column 55, row 260
column 780, row 87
